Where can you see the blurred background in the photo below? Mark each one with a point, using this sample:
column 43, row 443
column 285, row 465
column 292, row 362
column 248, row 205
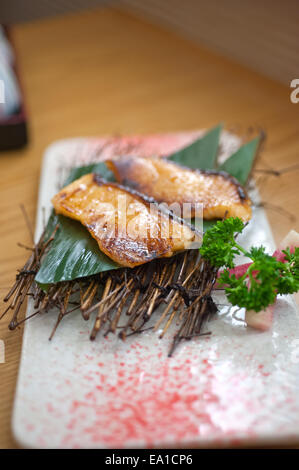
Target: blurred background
column 92, row 67
column 261, row 34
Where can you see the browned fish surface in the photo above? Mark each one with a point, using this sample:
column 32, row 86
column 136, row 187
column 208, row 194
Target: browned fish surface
column 129, row 228
column 219, row 193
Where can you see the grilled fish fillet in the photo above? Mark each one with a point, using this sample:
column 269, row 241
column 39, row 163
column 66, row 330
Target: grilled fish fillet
column 219, row 193
column 127, row 226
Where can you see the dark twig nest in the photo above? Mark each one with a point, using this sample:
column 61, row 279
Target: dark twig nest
column 125, row 300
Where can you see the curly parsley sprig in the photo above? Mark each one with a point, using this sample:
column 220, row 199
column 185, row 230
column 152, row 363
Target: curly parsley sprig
column 265, row 277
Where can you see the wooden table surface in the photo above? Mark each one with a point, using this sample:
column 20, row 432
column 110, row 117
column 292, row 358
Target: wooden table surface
column 105, row 72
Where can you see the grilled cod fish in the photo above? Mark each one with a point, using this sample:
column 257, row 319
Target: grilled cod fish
column 127, row 226
column 220, row 194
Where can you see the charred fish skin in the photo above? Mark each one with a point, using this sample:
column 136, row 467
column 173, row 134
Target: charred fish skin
column 127, row 226
column 219, row 193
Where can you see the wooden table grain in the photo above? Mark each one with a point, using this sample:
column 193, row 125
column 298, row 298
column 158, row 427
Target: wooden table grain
column 106, row 72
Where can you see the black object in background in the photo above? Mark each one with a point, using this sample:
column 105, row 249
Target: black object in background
column 13, row 128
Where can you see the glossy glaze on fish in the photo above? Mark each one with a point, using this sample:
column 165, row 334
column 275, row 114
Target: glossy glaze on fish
column 128, row 227
column 219, row 193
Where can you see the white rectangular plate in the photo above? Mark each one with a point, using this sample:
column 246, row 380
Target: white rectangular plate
column 237, row 386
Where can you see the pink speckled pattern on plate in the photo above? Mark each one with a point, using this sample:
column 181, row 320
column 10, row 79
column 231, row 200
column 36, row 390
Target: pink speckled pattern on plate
column 236, row 386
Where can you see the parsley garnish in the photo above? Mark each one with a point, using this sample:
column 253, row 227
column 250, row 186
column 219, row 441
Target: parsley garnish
column 265, row 277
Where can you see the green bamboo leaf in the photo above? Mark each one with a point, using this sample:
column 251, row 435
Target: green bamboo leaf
column 73, row 253
column 209, row 223
column 202, row 153
column 240, row 163
column 206, row 224
column 101, row 168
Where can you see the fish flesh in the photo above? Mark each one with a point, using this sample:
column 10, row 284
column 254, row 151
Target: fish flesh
column 129, row 228
column 219, row 194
